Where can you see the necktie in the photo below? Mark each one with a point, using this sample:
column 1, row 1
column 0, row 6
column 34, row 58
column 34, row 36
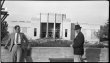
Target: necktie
column 17, row 38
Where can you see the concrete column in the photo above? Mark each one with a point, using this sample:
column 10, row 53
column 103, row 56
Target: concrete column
column 47, row 25
column 61, row 27
column 54, row 28
column 40, row 26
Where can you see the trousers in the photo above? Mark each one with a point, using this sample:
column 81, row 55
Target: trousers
column 16, row 53
column 77, row 58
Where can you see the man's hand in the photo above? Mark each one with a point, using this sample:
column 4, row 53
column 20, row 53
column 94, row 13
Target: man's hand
column 71, row 45
column 29, row 46
column 5, row 47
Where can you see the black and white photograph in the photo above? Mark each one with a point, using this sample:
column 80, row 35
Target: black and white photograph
column 54, row 31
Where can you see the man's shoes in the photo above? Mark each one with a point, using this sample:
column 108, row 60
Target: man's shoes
column 84, row 59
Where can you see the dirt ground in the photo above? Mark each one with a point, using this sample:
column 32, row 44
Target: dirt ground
column 43, row 54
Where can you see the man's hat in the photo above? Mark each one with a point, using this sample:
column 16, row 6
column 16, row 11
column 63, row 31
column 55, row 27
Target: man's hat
column 77, row 27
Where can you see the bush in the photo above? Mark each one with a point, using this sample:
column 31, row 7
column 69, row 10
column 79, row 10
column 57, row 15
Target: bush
column 57, row 43
column 100, row 45
column 4, row 31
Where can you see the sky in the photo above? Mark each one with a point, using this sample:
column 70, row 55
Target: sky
column 91, row 12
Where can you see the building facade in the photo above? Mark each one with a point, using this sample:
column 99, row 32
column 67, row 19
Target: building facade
column 90, row 32
column 57, row 26
column 48, row 25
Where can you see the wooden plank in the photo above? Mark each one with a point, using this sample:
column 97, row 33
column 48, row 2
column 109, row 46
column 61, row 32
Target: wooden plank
column 61, row 59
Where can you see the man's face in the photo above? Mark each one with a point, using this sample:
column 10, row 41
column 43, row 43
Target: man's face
column 17, row 29
column 76, row 31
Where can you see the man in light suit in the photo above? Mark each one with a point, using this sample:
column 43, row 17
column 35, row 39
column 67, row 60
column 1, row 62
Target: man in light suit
column 18, row 44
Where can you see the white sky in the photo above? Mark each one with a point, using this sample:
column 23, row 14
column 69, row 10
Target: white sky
column 91, row 12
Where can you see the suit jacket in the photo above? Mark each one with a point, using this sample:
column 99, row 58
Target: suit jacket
column 24, row 41
column 78, row 44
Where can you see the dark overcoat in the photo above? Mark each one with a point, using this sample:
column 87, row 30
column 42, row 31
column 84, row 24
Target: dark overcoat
column 78, row 45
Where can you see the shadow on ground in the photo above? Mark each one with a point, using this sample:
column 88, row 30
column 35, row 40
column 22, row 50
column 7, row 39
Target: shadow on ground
column 93, row 54
column 29, row 58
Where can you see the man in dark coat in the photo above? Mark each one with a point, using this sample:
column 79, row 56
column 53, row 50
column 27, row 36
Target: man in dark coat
column 78, row 44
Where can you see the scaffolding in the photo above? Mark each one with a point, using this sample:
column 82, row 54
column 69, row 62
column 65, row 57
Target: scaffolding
column 4, row 13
